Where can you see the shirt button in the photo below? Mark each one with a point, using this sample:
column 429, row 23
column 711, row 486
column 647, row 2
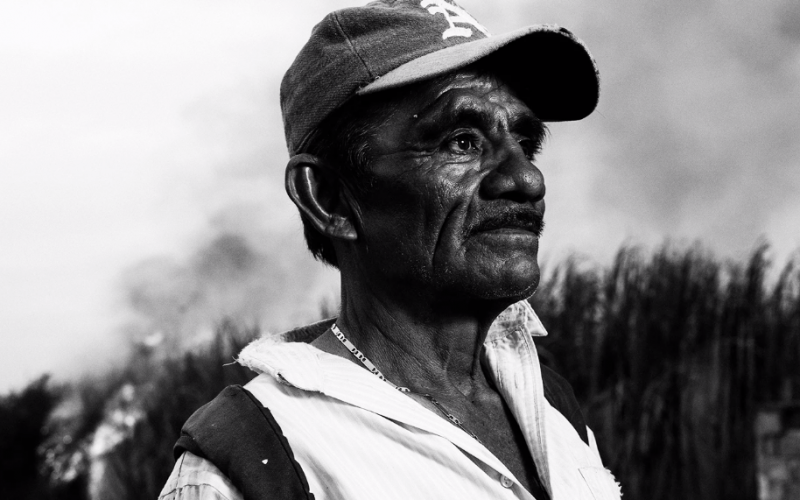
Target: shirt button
column 506, row 482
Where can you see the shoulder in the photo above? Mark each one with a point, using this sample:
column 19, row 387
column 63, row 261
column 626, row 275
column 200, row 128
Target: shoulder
column 245, row 444
column 195, row 478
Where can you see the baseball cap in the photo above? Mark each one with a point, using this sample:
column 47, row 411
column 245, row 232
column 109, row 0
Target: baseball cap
column 391, row 43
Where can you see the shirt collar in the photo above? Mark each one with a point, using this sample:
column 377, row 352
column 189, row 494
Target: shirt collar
column 290, row 361
column 518, row 317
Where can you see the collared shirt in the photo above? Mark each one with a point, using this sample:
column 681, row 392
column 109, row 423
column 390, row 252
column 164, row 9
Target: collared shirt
column 356, row 437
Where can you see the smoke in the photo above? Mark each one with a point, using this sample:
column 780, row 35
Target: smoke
column 696, row 134
column 247, row 262
column 703, row 108
column 126, row 135
column 695, row 137
column 232, row 276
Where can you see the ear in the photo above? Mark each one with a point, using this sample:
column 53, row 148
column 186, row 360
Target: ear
column 317, row 192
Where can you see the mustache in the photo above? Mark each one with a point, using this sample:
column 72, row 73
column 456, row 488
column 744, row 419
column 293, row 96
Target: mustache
column 521, row 218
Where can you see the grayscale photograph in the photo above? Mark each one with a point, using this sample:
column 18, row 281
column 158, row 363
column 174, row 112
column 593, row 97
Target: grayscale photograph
column 400, row 250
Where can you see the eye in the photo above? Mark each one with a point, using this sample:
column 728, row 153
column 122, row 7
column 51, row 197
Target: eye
column 530, row 148
column 463, row 144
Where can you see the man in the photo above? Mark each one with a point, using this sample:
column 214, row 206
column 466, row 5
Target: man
column 413, row 137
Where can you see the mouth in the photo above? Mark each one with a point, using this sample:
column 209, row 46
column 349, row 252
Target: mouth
column 510, row 223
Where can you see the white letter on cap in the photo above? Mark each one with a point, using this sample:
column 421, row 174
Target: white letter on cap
column 453, row 15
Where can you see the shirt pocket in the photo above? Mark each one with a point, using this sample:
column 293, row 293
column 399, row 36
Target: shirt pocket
column 601, row 483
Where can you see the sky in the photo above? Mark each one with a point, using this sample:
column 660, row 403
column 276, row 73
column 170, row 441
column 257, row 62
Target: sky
column 142, row 157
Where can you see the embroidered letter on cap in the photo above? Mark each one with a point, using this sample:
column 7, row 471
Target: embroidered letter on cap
column 453, row 14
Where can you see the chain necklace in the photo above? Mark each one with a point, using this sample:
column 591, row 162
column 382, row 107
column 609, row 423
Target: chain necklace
column 374, row 370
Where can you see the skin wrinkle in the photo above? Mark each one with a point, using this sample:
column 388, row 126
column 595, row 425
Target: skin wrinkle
column 423, row 370
column 390, row 331
column 440, row 235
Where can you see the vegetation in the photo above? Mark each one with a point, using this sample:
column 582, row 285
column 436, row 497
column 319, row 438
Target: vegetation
column 671, row 354
column 22, row 429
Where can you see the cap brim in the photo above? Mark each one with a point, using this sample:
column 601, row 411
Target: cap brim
column 547, row 66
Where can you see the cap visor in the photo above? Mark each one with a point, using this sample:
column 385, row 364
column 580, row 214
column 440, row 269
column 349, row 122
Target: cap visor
column 547, row 66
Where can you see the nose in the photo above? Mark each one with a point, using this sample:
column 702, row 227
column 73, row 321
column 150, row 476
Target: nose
column 513, row 177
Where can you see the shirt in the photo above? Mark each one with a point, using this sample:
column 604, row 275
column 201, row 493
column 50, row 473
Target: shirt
column 358, row 438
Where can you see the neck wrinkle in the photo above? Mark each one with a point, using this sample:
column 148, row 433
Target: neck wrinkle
column 416, row 347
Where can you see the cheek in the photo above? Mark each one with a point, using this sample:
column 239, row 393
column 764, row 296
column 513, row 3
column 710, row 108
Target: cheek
column 448, row 204
column 395, row 231
column 418, row 216
column 421, row 207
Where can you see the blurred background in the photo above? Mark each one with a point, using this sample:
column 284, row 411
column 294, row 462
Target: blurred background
column 143, row 216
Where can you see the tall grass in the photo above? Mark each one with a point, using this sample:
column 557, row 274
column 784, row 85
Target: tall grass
column 138, row 467
column 670, row 354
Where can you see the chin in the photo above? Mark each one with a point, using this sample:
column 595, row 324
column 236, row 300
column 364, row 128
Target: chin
column 515, row 287
column 508, row 281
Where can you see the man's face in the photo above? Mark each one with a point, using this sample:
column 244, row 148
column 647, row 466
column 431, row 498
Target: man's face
column 456, row 204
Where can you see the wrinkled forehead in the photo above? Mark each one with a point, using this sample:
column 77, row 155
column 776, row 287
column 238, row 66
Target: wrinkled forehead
column 468, row 88
column 475, row 79
column 467, row 92
column 448, row 92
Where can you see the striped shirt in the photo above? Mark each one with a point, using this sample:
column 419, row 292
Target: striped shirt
column 358, row 438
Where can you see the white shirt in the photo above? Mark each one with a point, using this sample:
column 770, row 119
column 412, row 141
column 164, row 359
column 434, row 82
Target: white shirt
column 356, row 437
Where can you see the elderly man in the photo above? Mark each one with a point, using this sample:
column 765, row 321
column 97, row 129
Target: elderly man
column 413, row 137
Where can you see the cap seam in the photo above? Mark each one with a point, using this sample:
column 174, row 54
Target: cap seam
column 350, row 44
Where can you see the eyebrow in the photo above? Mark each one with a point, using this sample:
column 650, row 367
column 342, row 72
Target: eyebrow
column 525, row 123
column 529, row 125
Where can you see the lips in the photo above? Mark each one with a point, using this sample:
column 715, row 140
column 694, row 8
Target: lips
column 517, row 220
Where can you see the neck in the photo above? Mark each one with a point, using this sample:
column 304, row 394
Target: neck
column 426, row 345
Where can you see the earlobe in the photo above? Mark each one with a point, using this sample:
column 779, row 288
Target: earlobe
column 317, row 192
